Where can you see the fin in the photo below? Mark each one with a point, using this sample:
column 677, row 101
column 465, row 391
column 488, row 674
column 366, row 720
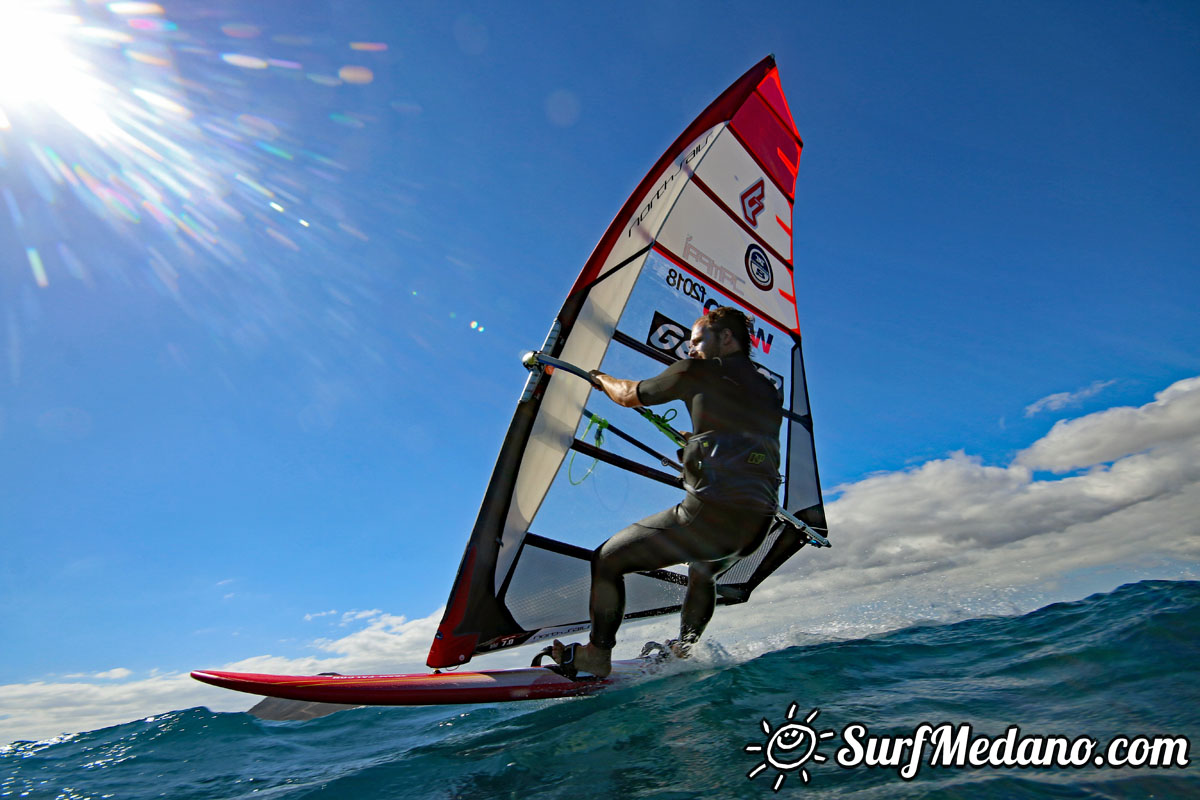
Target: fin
column 277, row 709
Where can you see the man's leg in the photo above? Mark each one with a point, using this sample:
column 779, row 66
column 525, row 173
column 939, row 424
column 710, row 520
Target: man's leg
column 709, row 539
column 701, row 600
column 686, row 533
column 652, row 543
column 641, row 546
column 660, row 540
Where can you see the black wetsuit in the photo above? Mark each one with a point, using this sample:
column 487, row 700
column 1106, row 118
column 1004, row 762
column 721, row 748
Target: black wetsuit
column 731, row 467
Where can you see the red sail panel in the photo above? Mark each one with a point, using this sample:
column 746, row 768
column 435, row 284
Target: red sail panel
column 772, row 145
column 446, row 645
column 718, row 111
column 772, row 91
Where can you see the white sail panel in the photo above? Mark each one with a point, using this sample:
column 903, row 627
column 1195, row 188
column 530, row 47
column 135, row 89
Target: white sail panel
column 654, row 204
column 703, row 236
column 562, row 406
column 748, row 194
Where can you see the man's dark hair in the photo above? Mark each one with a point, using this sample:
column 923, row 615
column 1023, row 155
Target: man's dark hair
column 728, row 318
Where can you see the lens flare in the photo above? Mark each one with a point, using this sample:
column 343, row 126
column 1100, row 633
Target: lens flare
column 186, row 160
column 356, row 75
column 40, row 67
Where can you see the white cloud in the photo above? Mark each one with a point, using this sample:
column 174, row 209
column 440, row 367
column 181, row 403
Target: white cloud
column 954, row 537
column 311, row 617
column 41, row 709
column 1061, row 400
column 1108, row 435
column 386, row 641
column 38, row 710
column 112, row 674
column 949, row 539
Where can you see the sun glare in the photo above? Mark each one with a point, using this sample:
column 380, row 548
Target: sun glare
column 97, row 122
column 41, row 68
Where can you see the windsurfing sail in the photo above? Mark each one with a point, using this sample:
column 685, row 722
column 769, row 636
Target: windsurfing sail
column 709, row 225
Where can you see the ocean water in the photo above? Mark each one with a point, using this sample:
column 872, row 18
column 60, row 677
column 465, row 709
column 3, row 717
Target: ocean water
column 1118, row 664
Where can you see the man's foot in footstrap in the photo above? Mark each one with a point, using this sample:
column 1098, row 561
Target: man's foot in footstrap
column 572, row 659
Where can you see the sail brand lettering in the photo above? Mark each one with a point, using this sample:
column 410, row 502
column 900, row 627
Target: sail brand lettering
column 668, row 336
column 752, row 203
column 760, row 338
column 726, row 277
column 762, row 341
column 686, row 159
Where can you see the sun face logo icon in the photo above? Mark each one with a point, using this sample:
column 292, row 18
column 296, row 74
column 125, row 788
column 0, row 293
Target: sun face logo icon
column 789, row 747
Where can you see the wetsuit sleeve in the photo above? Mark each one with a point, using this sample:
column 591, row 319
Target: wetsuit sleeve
column 676, row 382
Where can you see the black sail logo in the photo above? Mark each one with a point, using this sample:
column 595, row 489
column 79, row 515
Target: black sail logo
column 758, row 267
column 673, row 338
column 668, row 336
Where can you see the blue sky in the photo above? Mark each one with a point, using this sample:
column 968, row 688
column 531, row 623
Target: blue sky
column 205, row 439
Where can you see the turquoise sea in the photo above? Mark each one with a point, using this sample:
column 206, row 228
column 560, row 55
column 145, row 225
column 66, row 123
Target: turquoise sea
column 1122, row 664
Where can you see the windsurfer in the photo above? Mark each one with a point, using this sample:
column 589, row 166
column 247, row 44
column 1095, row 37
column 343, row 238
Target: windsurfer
column 731, row 474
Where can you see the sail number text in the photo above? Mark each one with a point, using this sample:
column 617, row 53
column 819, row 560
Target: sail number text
column 689, row 287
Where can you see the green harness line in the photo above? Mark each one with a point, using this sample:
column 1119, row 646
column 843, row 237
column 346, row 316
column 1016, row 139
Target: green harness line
column 601, row 424
column 535, row 361
column 663, row 423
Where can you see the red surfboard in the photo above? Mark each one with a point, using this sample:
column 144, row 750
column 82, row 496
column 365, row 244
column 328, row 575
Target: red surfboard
column 436, row 688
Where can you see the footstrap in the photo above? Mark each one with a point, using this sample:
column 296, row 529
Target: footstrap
column 566, row 667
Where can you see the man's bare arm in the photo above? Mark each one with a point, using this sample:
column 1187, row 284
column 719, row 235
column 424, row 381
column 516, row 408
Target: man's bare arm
column 620, row 391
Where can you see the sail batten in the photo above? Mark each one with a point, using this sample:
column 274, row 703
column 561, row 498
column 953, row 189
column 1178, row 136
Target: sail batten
column 709, row 225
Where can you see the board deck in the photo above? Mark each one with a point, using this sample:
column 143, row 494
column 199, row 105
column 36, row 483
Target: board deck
column 436, row 688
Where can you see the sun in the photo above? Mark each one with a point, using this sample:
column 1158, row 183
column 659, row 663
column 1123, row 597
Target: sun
column 43, row 64
column 790, row 746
